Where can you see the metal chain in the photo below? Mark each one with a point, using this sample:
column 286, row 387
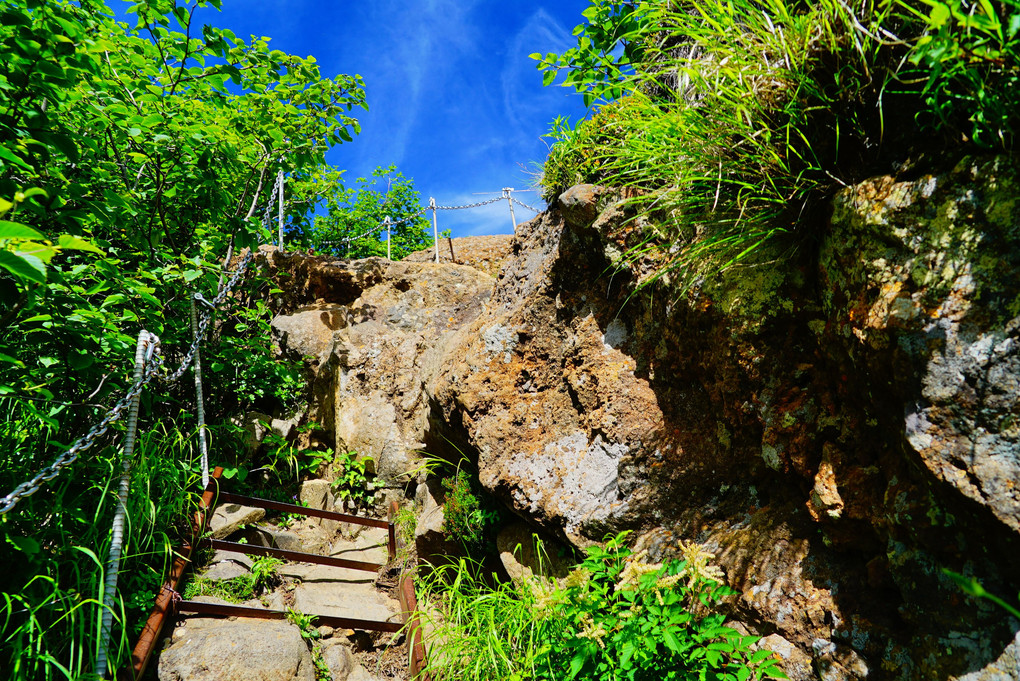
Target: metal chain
column 470, row 205
column 381, row 227
column 266, row 215
column 203, row 322
column 26, row 489
column 524, row 205
column 154, row 362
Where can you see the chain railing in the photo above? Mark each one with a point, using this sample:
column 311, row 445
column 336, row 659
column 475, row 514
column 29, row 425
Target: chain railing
column 153, row 362
column 388, row 224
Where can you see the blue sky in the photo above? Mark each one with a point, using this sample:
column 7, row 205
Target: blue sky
column 454, row 100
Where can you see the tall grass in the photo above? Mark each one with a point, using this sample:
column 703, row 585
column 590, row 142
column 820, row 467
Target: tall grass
column 55, row 544
column 743, row 116
column 477, row 629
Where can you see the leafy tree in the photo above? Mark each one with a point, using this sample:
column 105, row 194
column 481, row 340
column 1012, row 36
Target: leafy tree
column 353, row 226
column 134, row 159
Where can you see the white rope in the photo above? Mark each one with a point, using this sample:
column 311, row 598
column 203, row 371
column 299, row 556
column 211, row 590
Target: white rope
column 199, row 398
column 144, row 352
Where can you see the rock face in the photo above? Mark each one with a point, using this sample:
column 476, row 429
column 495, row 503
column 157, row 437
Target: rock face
column 836, row 425
column 372, row 328
column 485, row 253
column 926, row 278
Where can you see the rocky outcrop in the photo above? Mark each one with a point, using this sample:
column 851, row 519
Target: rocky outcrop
column 837, row 427
column 485, row 253
column 837, row 422
column 370, row 330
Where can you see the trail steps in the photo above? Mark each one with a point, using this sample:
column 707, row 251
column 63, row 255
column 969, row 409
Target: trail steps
column 227, row 649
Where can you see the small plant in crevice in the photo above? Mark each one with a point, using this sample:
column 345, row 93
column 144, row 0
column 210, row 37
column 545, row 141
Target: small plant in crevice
column 261, row 577
column 406, row 522
column 972, row 587
column 465, row 519
column 354, row 485
column 288, row 463
column 306, row 624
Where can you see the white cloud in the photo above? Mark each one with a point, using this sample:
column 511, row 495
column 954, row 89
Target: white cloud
column 541, row 33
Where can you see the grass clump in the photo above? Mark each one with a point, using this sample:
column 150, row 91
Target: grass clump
column 261, row 577
column 465, row 518
column 54, row 546
column 615, row 617
column 736, row 119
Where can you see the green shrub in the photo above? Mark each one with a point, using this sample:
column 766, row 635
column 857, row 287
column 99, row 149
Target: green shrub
column 616, row 617
column 621, row 618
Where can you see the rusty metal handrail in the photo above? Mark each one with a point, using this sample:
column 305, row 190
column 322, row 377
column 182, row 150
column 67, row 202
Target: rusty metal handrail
column 226, row 610
column 298, row 556
column 409, row 607
column 271, row 505
column 165, row 605
column 164, row 599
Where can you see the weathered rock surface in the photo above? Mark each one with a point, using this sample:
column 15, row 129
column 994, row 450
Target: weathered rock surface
column 485, row 253
column 229, row 518
column 239, row 650
column 369, row 326
column 926, row 279
column 837, row 425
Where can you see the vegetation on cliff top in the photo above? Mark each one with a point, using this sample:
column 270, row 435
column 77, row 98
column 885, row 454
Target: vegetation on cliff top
column 736, row 119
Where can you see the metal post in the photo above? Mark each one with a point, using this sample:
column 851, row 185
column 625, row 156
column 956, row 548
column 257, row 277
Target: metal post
column 279, row 183
column 199, row 398
column 146, row 341
column 509, row 202
column 389, row 238
column 435, row 227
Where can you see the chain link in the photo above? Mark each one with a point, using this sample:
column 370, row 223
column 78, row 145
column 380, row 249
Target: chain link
column 27, row 489
column 267, row 214
column 524, row 205
column 206, row 318
column 381, row 227
column 470, row 205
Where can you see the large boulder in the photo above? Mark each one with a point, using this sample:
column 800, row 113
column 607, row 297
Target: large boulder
column 238, row 650
column 835, row 426
column 366, row 328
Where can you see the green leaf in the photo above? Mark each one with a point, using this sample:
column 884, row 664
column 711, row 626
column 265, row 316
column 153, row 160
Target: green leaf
column 26, row 544
column 672, row 642
column 11, row 360
column 16, row 230
column 81, row 360
column 74, row 243
column 8, row 156
column 23, row 266
column 576, row 663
